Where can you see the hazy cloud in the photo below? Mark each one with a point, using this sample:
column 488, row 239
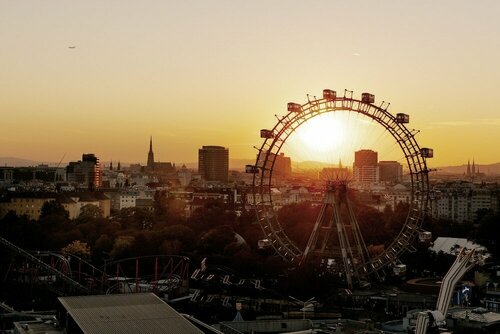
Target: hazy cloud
column 479, row 121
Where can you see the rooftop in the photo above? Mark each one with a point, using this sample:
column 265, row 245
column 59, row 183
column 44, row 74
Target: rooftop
column 129, row 313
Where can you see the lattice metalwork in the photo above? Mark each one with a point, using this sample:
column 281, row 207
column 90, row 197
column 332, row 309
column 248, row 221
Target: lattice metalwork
column 299, row 114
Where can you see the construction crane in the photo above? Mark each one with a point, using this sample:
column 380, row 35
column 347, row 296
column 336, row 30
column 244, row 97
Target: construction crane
column 58, row 164
column 430, row 321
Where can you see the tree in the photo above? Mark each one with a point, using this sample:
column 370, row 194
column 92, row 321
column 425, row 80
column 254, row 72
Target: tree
column 298, row 220
column 77, row 248
column 53, row 208
column 215, row 240
column 160, row 203
column 122, row 246
column 134, row 218
column 90, row 211
column 486, row 234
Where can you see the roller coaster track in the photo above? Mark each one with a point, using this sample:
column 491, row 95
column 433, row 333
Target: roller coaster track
column 39, row 263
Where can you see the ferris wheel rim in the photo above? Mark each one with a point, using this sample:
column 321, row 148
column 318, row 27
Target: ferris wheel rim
column 287, row 125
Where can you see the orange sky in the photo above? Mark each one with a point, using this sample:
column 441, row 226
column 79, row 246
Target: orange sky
column 195, row 73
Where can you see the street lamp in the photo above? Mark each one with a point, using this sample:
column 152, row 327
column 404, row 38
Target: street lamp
column 306, row 303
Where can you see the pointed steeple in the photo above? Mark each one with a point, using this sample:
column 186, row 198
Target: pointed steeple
column 473, row 167
column 151, row 156
column 468, row 167
column 340, row 163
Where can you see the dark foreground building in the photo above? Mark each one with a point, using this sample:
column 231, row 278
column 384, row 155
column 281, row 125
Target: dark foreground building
column 127, row 313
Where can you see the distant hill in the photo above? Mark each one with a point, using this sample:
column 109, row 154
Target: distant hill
column 17, row 162
column 316, row 165
column 487, row 169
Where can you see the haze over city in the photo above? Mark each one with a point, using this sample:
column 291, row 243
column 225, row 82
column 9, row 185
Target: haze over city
column 102, row 77
column 242, row 167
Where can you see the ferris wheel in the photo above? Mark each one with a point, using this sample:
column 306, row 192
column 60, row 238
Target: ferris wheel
column 335, row 237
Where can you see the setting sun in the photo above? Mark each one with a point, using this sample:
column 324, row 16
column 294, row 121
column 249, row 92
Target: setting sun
column 335, row 136
column 323, row 134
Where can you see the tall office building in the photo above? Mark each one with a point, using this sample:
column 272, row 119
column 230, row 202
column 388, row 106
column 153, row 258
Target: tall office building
column 213, row 163
column 390, row 171
column 87, row 172
column 365, row 166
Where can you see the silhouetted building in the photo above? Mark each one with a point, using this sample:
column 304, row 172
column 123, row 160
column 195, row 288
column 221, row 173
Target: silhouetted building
column 151, row 156
column 86, row 172
column 163, row 168
column 41, row 173
column 473, row 172
column 282, row 166
column 30, row 203
column 390, row 171
column 365, row 166
column 213, row 163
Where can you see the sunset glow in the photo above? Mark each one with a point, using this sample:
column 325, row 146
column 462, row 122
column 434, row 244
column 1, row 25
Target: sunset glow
column 192, row 73
column 322, row 134
column 335, row 136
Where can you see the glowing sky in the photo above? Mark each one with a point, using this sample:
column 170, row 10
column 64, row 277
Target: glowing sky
column 195, row 73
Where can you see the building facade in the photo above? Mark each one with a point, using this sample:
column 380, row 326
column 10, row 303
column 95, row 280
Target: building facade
column 365, row 168
column 390, row 171
column 86, row 173
column 462, row 201
column 282, row 166
column 213, row 163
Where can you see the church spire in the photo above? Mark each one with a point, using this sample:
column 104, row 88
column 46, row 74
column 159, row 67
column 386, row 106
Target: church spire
column 468, row 167
column 151, row 156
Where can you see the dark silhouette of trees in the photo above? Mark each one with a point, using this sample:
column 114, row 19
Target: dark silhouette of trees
column 53, row 208
column 215, row 240
column 298, row 221
column 485, row 233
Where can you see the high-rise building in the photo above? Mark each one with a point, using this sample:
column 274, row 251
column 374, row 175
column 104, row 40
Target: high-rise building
column 365, row 166
column 151, row 156
column 282, row 166
column 213, row 163
column 86, row 172
column 390, row 171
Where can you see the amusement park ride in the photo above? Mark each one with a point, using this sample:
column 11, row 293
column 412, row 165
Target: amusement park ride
column 431, row 321
column 335, row 239
column 67, row 274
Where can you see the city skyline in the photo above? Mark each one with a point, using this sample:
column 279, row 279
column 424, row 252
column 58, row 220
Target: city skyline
column 193, row 74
